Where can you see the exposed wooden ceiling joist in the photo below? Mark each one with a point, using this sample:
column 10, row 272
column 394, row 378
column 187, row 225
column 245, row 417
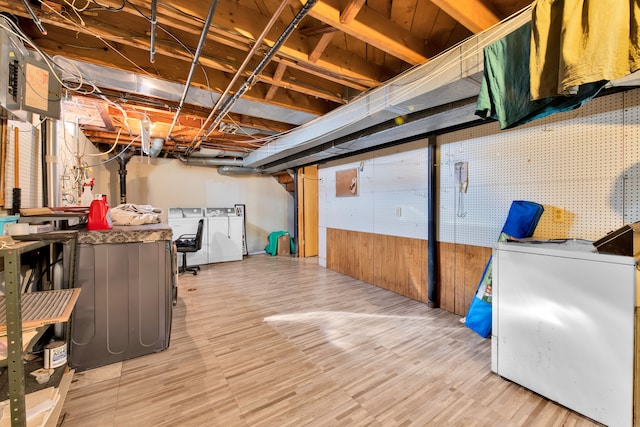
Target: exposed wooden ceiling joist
column 473, row 14
column 373, row 29
column 341, row 49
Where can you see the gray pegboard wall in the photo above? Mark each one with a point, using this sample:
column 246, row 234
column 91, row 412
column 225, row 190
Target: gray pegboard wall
column 583, row 166
column 568, row 162
column 627, row 183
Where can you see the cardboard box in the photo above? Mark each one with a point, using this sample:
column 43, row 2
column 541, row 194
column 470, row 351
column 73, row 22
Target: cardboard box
column 284, row 245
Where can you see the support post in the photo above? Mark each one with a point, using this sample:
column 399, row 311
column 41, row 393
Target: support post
column 432, row 224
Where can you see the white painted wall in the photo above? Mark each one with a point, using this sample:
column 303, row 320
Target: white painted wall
column 163, row 183
column 392, row 197
column 166, row 183
column 585, row 163
column 77, row 162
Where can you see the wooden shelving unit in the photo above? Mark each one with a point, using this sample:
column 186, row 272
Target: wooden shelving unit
column 38, row 309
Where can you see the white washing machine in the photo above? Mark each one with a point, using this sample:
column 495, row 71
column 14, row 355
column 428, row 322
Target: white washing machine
column 224, row 235
column 185, row 221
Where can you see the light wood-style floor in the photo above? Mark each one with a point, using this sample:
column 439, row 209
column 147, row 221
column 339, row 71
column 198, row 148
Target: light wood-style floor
column 279, row 341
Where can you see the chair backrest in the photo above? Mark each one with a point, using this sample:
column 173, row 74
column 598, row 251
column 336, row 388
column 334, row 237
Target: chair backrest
column 199, row 235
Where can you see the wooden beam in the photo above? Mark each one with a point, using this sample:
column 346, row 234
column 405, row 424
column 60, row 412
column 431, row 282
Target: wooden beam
column 235, row 18
column 172, row 70
column 320, row 47
column 230, row 19
column 319, row 72
column 318, row 30
column 374, row 29
column 277, row 76
column 349, row 13
column 473, row 14
column 104, row 114
column 305, row 89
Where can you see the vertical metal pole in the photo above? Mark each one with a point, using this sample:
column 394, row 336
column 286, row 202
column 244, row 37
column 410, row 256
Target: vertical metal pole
column 43, row 159
column 432, row 224
column 14, row 337
column 154, row 21
column 4, row 141
column 52, row 164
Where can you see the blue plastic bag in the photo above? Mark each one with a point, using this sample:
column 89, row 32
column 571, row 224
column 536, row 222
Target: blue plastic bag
column 521, row 222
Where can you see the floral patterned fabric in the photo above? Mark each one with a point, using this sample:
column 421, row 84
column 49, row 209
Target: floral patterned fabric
column 127, row 234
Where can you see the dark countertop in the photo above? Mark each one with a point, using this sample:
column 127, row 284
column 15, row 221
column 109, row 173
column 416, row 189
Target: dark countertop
column 127, row 234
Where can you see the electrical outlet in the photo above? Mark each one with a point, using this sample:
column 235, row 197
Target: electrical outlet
column 398, row 211
column 558, row 214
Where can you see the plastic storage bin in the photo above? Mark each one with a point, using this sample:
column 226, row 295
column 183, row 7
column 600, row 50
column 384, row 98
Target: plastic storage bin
column 7, row 219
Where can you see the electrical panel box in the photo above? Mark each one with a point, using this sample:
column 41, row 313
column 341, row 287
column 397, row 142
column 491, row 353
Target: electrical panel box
column 27, row 83
column 39, row 90
column 11, row 53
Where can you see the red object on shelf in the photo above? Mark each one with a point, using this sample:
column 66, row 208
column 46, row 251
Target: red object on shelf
column 99, row 215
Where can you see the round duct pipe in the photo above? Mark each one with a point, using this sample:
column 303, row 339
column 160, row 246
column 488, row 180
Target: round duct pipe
column 208, row 152
column 238, row 170
column 155, row 148
column 204, row 161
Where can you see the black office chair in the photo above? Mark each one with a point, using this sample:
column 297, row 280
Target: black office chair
column 189, row 243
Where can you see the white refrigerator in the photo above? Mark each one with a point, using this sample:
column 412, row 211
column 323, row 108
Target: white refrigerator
column 564, row 326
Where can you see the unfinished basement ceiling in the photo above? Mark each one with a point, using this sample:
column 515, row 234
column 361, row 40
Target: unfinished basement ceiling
column 316, row 56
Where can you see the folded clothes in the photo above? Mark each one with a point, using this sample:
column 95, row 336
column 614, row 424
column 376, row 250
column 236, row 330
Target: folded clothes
column 132, row 214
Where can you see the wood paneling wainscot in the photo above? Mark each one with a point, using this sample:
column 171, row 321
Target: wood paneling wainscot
column 460, row 268
column 399, row 264
column 350, row 253
column 446, row 276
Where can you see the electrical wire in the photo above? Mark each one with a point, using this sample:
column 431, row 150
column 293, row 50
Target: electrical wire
column 17, row 31
column 407, row 88
column 401, row 90
column 117, row 155
column 180, row 43
column 113, row 147
column 108, row 8
column 98, row 36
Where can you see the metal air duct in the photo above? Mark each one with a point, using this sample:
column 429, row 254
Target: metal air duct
column 155, row 148
column 238, row 170
column 452, row 76
column 204, row 161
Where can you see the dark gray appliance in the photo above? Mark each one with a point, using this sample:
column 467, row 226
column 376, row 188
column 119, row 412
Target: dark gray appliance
column 125, row 306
